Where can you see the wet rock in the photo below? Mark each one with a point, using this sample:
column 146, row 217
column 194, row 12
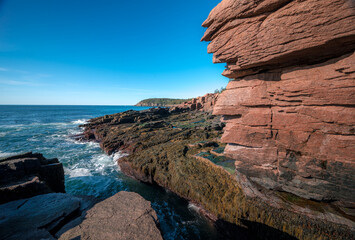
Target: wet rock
column 28, row 175
column 167, row 156
column 125, row 215
column 38, row 217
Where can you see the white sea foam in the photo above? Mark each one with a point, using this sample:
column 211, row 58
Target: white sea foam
column 3, row 134
column 33, row 139
column 80, row 121
column 78, row 172
column 92, row 144
column 53, row 124
column 72, row 132
column 6, row 154
column 12, row 126
column 41, row 124
column 118, row 155
column 104, row 163
column 193, row 207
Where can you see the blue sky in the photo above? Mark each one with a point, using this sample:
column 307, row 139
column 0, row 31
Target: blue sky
column 109, row 52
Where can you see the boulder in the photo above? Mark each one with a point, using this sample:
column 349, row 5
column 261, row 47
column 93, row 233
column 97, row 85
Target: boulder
column 125, row 215
column 38, row 217
column 28, row 175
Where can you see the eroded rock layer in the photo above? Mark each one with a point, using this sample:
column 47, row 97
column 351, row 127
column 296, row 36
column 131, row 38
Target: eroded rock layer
column 289, row 109
column 29, row 174
column 202, row 103
column 258, row 35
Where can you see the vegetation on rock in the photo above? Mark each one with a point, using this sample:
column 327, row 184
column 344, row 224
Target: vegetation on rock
column 163, row 148
column 161, row 102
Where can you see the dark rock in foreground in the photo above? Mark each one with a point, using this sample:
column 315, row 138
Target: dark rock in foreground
column 39, row 217
column 125, row 215
column 48, row 215
column 29, row 174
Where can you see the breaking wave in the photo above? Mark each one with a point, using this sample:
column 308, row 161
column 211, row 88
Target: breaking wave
column 80, row 121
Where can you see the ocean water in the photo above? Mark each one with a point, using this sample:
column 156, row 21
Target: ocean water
column 88, row 170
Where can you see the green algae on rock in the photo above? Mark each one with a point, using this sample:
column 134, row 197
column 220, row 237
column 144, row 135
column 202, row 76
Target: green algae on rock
column 163, row 148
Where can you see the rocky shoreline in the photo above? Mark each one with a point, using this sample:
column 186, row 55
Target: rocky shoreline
column 34, row 205
column 275, row 160
column 178, row 150
column 202, row 103
column 175, row 148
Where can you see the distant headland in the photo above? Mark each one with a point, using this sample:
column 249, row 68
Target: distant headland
column 158, row 102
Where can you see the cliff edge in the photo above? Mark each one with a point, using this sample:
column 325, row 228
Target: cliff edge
column 289, row 107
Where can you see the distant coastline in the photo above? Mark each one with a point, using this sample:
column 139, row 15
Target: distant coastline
column 157, row 102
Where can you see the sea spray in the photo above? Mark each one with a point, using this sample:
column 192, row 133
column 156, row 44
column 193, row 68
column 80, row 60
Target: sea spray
column 88, row 170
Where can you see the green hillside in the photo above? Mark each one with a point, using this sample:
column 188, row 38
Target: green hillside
column 160, row 102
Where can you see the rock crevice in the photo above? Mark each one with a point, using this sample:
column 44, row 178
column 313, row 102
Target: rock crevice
column 29, row 174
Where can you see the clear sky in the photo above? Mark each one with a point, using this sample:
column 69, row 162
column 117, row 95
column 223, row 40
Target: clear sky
column 108, row 52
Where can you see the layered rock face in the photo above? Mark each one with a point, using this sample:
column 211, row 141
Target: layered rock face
column 204, row 103
column 174, row 150
column 29, row 174
column 289, row 109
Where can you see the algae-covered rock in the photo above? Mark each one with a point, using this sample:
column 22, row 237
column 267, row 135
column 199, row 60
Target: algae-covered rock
column 172, row 155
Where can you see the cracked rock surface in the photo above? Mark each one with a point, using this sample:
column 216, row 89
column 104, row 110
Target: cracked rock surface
column 163, row 148
column 289, row 107
column 38, row 217
column 29, row 174
column 125, row 215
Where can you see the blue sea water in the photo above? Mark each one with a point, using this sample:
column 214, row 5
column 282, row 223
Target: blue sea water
column 88, row 170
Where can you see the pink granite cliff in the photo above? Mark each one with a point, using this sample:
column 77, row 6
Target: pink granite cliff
column 289, row 107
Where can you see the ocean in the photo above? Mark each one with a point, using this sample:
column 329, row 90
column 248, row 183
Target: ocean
column 88, row 170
